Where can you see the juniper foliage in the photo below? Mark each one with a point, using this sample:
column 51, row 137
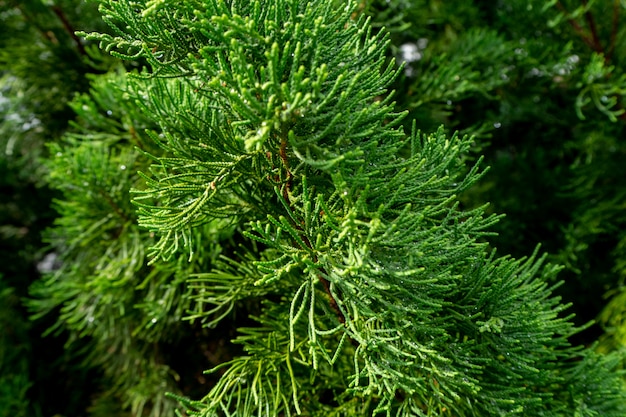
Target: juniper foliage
column 541, row 87
column 272, row 177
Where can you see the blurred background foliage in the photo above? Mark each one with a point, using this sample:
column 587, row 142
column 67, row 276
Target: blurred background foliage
column 540, row 86
column 42, row 66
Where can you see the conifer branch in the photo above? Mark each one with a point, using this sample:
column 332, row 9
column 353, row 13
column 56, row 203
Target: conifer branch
column 321, row 276
column 594, row 42
column 114, row 205
column 295, row 216
column 275, row 130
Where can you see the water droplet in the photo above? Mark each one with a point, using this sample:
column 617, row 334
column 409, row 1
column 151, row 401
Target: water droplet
column 497, row 125
column 109, row 112
column 154, row 321
column 122, row 167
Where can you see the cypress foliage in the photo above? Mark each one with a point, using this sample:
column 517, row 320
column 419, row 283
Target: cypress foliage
column 256, row 173
column 541, row 87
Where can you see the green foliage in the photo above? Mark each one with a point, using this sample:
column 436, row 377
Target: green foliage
column 103, row 288
column 41, row 67
column 278, row 181
column 242, row 195
column 546, row 112
column 14, row 349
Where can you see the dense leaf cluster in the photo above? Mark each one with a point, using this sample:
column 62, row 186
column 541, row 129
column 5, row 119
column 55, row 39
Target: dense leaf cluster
column 541, row 86
column 250, row 201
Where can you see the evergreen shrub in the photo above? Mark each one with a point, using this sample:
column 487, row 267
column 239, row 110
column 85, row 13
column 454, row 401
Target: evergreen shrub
column 252, row 201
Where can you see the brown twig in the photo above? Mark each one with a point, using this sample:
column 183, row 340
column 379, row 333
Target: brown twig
column 69, row 29
column 579, row 30
column 303, row 236
column 593, row 28
column 31, row 20
column 114, row 205
column 332, row 301
column 614, row 26
column 283, row 157
column 324, row 281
